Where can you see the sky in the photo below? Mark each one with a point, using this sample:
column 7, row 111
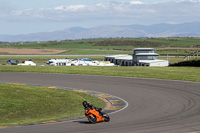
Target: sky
column 30, row 16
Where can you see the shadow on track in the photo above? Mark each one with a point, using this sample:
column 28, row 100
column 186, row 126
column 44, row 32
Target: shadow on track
column 83, row 122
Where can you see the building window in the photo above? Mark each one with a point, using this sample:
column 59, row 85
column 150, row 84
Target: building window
column 144, row 51
column 147, row 57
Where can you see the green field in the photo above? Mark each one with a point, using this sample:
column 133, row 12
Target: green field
column 95, row 52
column 26, row 104
column 90, row 44
column 173, row 73
column 114, row 52
column 175, row 52
column 175, row 46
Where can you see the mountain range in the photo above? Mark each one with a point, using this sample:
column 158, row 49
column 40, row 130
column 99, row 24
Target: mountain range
column 189, row 29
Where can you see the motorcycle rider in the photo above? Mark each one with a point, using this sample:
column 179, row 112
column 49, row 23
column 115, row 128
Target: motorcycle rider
column 87, row 105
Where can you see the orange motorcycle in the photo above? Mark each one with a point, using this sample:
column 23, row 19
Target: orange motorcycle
column 95, row 116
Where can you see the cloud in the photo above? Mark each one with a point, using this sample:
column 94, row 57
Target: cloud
column 186, row 1
column 73, row 8
column 135, row 2
column 133, row 11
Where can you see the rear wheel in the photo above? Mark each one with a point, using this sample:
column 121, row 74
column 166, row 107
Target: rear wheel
column 92, row 119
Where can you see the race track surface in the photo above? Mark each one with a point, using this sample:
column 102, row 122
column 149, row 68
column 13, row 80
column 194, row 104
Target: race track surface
column 154, row 106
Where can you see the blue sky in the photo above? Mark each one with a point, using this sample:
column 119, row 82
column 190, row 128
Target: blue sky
column 29, row 16
column 23, row 4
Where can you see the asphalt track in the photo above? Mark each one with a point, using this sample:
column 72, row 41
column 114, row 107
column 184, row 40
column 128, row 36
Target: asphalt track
column 155, row 106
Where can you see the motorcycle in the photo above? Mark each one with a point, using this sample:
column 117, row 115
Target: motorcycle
column 95, row 116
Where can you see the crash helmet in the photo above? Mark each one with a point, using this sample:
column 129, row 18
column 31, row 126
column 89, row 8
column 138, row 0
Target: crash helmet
column 90, row 105
column 85, row 104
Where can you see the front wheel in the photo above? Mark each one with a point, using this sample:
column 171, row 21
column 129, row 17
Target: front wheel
column 92, row 119
column 106, row 118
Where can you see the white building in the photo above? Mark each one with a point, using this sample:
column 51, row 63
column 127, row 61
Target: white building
column 147, row 57
column 124, row 60
column 140, row 57
column 111, row 58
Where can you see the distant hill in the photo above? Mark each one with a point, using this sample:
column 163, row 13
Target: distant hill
column 190, row 29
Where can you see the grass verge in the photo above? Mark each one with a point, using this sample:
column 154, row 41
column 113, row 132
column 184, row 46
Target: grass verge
column 172, row 73
column 27, row 104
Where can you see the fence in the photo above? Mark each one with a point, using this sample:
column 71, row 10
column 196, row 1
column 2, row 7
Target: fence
column 193, row 55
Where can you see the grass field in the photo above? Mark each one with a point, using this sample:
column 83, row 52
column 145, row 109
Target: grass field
column 89, row 44
column 26, row 104
column 95, row 52
column 175, row 52
column 173, row 73
column 114, row 52
column 173, row 46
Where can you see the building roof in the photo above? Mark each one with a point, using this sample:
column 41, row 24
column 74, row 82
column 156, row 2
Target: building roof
column 128, row 57
column 114, row 56
column 147, row 54
column 143, row 49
